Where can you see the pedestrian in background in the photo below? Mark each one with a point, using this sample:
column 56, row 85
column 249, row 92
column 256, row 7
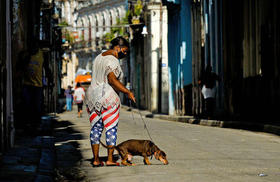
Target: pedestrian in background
column 103, row 102
column 79, row 95
column 208, row 82
column 68, row 94
column 33, row 65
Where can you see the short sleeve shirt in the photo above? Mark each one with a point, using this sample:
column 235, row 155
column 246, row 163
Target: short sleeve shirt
column 68, row 93
column 33, row 75
column 100, row 94
column 79, row 93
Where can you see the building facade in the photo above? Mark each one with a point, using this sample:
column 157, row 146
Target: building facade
column 250, row 52
column 180, row 56
column 26, row 23
column 88, row 22
column 242, row 49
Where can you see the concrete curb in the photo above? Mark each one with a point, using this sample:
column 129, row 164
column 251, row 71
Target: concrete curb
column 213, row 123
column 272, row 129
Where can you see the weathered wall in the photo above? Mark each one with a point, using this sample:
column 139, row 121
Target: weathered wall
column 180, row 56
column 251, row 52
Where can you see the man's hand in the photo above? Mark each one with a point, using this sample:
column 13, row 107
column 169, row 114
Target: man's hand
column 131, row 96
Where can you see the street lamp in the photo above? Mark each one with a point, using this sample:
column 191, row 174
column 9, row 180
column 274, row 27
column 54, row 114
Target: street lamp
column 144, row 31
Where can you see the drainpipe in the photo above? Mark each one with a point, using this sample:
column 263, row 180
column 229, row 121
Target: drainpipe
column 9, row 89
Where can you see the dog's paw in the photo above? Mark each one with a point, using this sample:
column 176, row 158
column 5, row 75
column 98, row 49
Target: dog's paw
column 146, row 162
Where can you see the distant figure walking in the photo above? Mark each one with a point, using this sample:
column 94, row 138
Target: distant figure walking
column 79, row 95
column 208, row 82
column 68, row 95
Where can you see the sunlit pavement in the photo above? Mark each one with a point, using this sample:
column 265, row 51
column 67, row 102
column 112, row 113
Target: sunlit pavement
column 195, row 153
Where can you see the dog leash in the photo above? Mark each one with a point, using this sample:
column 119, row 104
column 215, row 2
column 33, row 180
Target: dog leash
column 145, row 126
column 131, row 110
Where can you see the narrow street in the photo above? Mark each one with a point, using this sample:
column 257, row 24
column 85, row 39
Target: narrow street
column 195, row 153
column 205, row 73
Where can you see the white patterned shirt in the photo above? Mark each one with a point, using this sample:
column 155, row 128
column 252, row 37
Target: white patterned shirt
column 100, row 94
column 79, row 93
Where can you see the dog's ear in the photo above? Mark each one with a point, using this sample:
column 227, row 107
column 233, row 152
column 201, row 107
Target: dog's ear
column 153, row 147
column 150, row 148
column 163, row 153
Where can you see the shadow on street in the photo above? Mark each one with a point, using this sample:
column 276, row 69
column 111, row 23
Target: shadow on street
column 68, row 155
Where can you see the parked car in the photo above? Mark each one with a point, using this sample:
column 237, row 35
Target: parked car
column 84, row 79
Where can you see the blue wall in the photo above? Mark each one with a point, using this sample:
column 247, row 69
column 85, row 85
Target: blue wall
column 186, row 36
column 179, row 42
column 179, row 47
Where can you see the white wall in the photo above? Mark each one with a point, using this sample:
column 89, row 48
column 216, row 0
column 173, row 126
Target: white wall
column 164, row 72
column 156, row 50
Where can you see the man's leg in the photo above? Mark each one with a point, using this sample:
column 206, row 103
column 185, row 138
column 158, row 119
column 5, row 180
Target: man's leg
column 210, row 107
column 27, row 106
column 68, row 102
column 81, row 110
column 38, row 98
column 207, row 107
column 67, row 106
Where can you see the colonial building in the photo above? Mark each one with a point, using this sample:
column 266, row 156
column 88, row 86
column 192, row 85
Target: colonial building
column 149, row 58
column 87, row 22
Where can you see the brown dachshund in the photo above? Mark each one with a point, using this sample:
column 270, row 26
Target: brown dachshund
column 145, row 148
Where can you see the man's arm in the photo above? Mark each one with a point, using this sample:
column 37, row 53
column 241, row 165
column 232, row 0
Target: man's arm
column 117, row 85
column 46, row 66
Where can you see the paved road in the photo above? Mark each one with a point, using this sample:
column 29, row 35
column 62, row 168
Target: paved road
column 195, row 153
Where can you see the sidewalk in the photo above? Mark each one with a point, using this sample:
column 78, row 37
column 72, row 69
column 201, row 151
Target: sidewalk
column 32, row 158
column 262, row 127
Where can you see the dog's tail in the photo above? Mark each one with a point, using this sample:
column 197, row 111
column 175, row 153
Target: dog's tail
column 112, row 147
column 107, row 147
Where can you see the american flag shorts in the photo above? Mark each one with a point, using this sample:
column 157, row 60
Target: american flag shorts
column 96, row 132
column 108, row 119
column 109, row 116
